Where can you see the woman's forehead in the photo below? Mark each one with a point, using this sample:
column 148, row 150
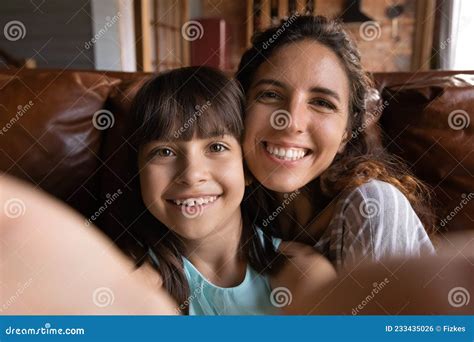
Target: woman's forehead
column 305, row 64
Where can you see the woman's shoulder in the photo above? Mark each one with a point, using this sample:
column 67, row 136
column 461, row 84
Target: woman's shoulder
column 378, row 219
column 379, row 205
column 374, row 195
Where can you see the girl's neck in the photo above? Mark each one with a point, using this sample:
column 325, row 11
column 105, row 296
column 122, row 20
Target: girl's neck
column 217, row 255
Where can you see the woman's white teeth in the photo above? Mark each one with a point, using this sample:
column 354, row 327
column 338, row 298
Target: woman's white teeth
column 196, row 201
column 286, row 153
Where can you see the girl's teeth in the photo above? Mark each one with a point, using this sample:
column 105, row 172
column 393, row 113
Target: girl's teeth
column 286, row 154
column 196, row 201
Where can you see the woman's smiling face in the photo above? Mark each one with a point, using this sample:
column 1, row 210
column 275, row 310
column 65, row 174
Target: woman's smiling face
column 297, row 114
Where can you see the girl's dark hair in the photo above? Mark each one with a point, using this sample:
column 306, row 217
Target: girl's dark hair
column 179, row 105
column 364, row 157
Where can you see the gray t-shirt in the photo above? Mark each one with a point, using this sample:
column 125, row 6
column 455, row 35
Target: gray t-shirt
column 372, row 222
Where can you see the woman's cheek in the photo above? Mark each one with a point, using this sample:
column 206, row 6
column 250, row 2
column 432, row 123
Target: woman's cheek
column 328, row 134
column 258, row 116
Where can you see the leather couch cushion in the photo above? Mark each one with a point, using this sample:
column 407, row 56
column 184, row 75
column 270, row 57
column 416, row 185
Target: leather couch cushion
column 429, row 121
column 47, row 133
column 118, row 176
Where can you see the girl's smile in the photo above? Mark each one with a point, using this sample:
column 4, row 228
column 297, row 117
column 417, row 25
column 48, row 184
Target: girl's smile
column 194, row 203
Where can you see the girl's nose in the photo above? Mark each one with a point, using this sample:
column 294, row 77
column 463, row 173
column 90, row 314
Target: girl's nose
column 193, row 171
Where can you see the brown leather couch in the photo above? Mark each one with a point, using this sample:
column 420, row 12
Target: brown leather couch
column 64, row 131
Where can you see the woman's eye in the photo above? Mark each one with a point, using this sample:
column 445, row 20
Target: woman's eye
column 217, row 147
column 268, row 95
column 324, row 104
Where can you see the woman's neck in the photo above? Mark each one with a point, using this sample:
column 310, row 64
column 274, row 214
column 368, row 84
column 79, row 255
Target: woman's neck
column 217, row 255
column 301, row 218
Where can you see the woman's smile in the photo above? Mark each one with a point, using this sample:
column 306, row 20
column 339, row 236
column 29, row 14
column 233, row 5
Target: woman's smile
column 287, row 154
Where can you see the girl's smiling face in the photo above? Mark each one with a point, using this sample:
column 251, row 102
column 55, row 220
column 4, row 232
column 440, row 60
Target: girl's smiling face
column 297, row 114
column 193, row 187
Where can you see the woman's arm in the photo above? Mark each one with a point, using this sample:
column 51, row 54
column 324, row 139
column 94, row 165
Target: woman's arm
column 440, row 285
column 304, row 273
column 52, row 263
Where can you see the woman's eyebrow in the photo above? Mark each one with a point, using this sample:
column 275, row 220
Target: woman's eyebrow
column 270, row 82
column 327, row 91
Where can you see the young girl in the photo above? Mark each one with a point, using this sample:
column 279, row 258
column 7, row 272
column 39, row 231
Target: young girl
column 195, row 233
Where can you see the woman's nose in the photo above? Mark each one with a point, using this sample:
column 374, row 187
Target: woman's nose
column 298, row 115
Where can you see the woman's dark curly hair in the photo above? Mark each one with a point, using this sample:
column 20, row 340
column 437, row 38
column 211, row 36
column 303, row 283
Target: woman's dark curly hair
column 363, row 158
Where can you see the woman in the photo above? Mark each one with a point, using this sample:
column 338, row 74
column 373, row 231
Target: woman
column 306, row 107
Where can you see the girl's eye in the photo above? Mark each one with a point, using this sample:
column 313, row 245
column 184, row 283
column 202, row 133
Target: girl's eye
column 163, row 152
column 218, row 147
column 324, row 104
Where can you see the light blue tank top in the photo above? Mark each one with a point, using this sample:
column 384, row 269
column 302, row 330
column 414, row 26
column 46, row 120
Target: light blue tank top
column 250, row 297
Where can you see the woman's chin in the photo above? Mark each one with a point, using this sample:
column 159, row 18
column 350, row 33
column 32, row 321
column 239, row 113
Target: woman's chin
column 280, row 183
